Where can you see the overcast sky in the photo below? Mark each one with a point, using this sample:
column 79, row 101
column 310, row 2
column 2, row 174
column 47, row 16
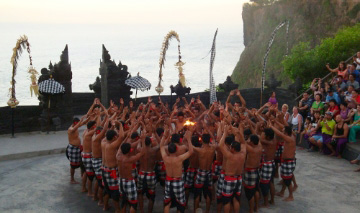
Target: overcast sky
column 121, row 11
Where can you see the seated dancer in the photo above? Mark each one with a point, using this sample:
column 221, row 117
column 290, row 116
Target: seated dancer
column 251, row 176
column 203, row 179
column 127, row 185
column 231, row 189
column 97, row 159
column 174, row 185
column 267, row 171
column 110, row 176
column 73, row 150
column 288, row 162
column 193, row 167
column 87, row 155
column 147, row 180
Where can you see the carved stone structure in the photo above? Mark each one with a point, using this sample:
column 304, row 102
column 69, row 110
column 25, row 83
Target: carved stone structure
column 179, row 90
column 57, row 108
column 228, row 85
column 96, row 86
column 112, row 80
column 272, row 83
column 296, row 86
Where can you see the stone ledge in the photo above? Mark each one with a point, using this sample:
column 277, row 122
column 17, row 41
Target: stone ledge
column 32, row 154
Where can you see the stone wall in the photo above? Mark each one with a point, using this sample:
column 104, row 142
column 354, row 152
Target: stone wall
column 27, row 117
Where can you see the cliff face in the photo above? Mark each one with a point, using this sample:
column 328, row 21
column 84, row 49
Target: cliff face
column 310, row 21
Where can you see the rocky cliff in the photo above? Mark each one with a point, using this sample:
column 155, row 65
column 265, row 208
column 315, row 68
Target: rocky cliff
column 310, row 20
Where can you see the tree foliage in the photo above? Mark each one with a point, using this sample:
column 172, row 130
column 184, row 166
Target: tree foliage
column 309, row 63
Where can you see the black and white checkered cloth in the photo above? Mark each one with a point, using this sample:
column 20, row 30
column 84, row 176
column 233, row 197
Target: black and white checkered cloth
column 96, row 164
column 86, row 159
column 220, row 185
column 51, row 86
column 73, row 153
column 279, row 150
column 134, row 173
column 190, row 177
column 110, row 178
column 287, row 168
column 217, row 167
column 127, row 188
column 251, row 177
column 203, row 178
column 266, row 171
column 161, row 170
column 175, row 187
column 231, row 185
column 147, row 179
column 138, row 82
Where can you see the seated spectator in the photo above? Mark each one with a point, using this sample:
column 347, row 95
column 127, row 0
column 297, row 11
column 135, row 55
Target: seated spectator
column 344, row 112
column 315, row 134
column 352, row 81
column 341, row 95
column 307, row 129
column 332, row 96
column 357, row 60
column 348, row 96
column 284, row 110
column 353, row 70
column 340, row 70
column 327, row 129
column 355, row 97
column 272, row 99
column 333, row 108
column 317, row 105
column 296, row 121
column 355, row 126
column 340, row 137
column 338, row 83
column 305, row 105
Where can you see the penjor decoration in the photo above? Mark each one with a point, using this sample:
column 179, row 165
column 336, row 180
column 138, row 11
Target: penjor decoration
column 211, row 77
column 179, row 65
column 21, row 44
column 273, row 34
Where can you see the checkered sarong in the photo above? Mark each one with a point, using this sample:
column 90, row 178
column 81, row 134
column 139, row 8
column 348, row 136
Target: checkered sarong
column 73, row 153
column 146, row 181
column 175, row 187
column 96, row 164
column 86, row 159
column 110, row 178
column 251, row 177
column 161, row 169
column 232, row 185
column 203, row 179
column 216, row 168
column 266, row 172
column 287, row 168
column 134, row 172
column 279, row 150
column 127, row 188
column 220, row 185
column 190, row 177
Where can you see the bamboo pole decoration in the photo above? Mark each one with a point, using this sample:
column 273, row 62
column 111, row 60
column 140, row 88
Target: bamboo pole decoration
column 165, row 45
column 21, row 44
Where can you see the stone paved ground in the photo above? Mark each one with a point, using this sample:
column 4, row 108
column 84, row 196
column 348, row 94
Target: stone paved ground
column 40, row 184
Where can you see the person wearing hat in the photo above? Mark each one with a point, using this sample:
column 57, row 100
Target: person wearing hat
column 332, row 96
column 327, row 125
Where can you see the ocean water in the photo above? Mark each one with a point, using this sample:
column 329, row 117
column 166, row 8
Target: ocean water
column 137, row 46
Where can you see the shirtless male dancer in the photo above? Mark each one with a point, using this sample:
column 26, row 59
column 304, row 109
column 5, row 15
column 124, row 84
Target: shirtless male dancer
column 147, row 178
column 87, row 155
column 193, row 167
column 251, row 176
column 288, row 162
column 73, row 150
column 174, row 185
column 267, row 172
column 109, row 148
column 127, row 186
column 231, row 188
column 203, row 179
column 97, row 159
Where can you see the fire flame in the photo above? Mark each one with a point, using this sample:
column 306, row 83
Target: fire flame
column 189, row 123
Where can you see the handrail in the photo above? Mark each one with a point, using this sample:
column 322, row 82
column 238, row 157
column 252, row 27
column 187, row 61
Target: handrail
column 329, row 74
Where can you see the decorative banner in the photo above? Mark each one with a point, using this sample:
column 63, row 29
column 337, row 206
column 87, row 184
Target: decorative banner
column 165, row 45
column 211, row 77
column 269, row 48
column 21, row 44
